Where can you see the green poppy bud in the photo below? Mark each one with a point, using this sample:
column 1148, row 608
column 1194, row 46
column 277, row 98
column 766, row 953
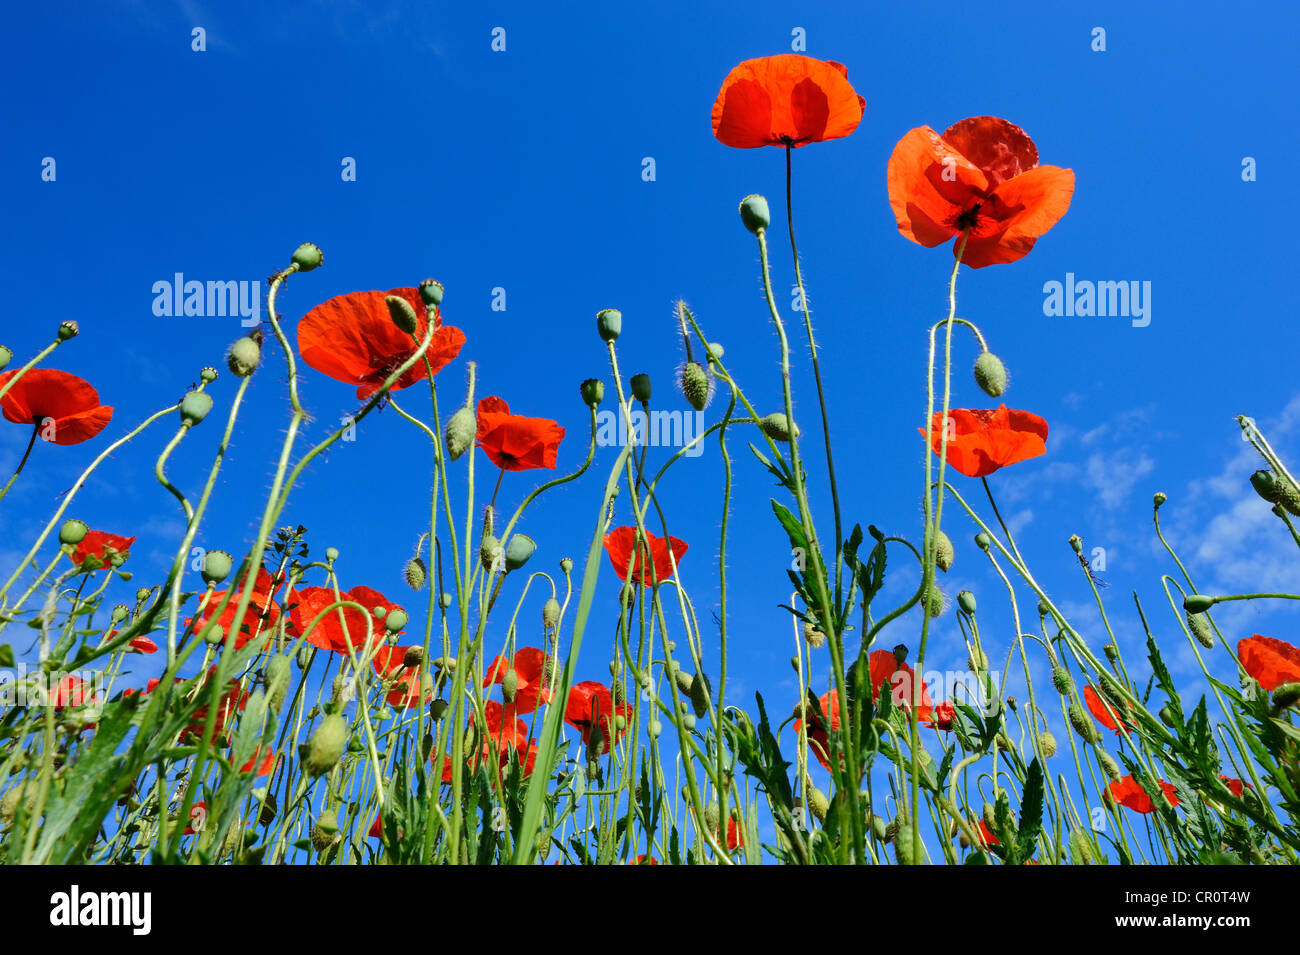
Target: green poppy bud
column 983, row 541
column 1285, row 695
column 755, row 214
column 276, row 675
column 415, row 573
column 1197, row 603
column 1061, row 680
column 1043, row 609
column 977, row 659
column 641, row 387
column 307, row 257
column 216, row 567
column 460, row 432
column 1265, row 485
column 593, row 392
column 1288, row 496
column 1167, row 717
column 683, row 679
column 68, row 330
column 326, row 745
column 509, row 685
column 396, row 620
column 654, row 729
column 1047, row 744
column 402, row 314
column 331, row 554
column 777, row 426
column 990, row 374
column 305, row 655
column 818, row 803
column 1199, row 624
column 437, row 709
column 195, row 407
column 551, row 613
column 244, row 357
column 904, row 851
column 609, row 324
column 73, row 532
column 966, row 600
column 696, row 384
column 688, row 722
column 6, row 356
column 1109, row 766
column 935, row 603
column 700, row 692
column 943, row 551
column 519, row 550
column 431, row 292
column 1083, row 724
column 489, row 551
column 1080, row 848
column 444, row 600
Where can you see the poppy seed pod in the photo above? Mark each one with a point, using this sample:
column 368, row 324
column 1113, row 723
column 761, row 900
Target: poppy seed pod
column 437, row 709
column 143, row 594
column 990, row 374
column 1159, row 498
column 654, row 729
column 396, row 620
column 966, row 600
column 982, row 541
column 1265, row 485
column 696, row 384
column 1083, row 725
column 195, row 407
column 402, row 314
column 1285, row 695
column 903, row 848
column 755, row 214
column 73, row 532
column 244, row 357
column 431, row 291
column 120, row 613
column 326, row 831
column 444, row 600
column 307, row 256
column 551, row 613
column 1061, row 680
column 208, row 374
column 331, row 554
column 460, row 432
column 1043, row 609
column 641, row 387
column 1199, row 624
column 415, row 573
column 1197, row 603
column 6, row 356
column 519, row 550
column 566, row 565
column 1076, row 543
column 777, row 426
column 592, row 391
column 609, row 324
column 1047, row 743
column 943, row 551
column 326, row 745
column 216, row 566
column 68, row 330
column 413, row 657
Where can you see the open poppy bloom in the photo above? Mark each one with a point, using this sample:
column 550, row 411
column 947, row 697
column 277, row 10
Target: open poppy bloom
column 986, row 835
column 818, row 732
column 232, row 701
column 98, row 549
column 885, row 668
column 530, row 675
column 643, row 860
column 591, row 711
column 506, row 738
column 140, row 644
column 620, row 543
column 331, row 633
column 1129, row 792
column 981, row 177
column 352, row 338
column 262, row 615
column 71, row 691
column 513, row 442
column 785, row 100
column 1270, row 661
column 390, row 663
column 64, row 408
column 1102, row 709
column 982, row 440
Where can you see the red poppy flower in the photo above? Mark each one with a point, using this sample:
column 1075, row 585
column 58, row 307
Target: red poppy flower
column 530, row 670
column 785, row 100
column 505, row 736
column 262, row 615
column 982, row 440
column 735, row 834
column 1235, row 786
column 198, row 817
column 71, row 691
column 376, row 827
column 1129, row 792
column 1270, row 661
column 390, row 663
column 1098, row 706
column 981, row 175
column 102, row 547
column 352, row 338
column 619, row 544
column 818, row 733
column 232, row 701
column 986, row 835
column 65, row 408
column 643, row 860
column 142, row 645
column 329, row 633
column 591, row 708
column 261, row 762
column 513, row 442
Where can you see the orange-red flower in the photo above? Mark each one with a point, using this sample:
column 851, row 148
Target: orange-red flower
column 513, row 442
column 329, row 633
column 390, row 663
column 1270, row 661
column 198, row 818
column 982, row 177
column 505, row 736
column 376, row 827
column 262, row 615
column 262, row 761
column 103, row 547
column 591, row 708
column 982, row 440
column 1098, row 706
column 1235, row 786
column 530, row 672
column 620, row 542
column 71, row 691
column 65, row 408
column 818, row 732
column 785, row 100
column 352, row 339
column 1129, row 792
column 232, row 701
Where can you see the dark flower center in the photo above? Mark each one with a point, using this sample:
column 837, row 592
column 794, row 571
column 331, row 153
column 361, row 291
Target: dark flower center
column 968, row 218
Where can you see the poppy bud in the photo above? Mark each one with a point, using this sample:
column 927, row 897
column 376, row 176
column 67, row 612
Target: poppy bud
column 415, row 573
column 592, row 391
column 814, row 637
column 935, row 602
column 326, row 830
column 943, row 551
column 654, row 729
column 73, row 532
column 712, row 816
column 402, row 314
column 1083, row 724
column 431, row 291
column 1199, row 624
column 551, row 613
column 307, row 257
column 489, row 551
column 444, row 600
column 777, row 426
column 715, row 351
column 213, row 633
column 68, row 330
column 755, row 214
column 437, row 709
column 1112, row 653
column 1043, row 609
column 143, row 593
column 208, row 374
column 641, row 387
column 1197, row 603
column 1286, row 694
column 6, row 356
column 460, row 432
column 683, row 679
column 1076, row 542
column 1167, row 717
column 696, row 384
column 276, row 675
column 1265, row 485
column 982, row 541
column 1109, row 766
column 195, row 407
column 990, row 374
column 1159, row 498
column 518, row 551
column 326, row 745
column 609, row 324
column 269, row 808
column 1111, row 690
column 120, row 613
column 1080, row 849
column 216, row 566
column 903, row 849
column 244, row 357
column 396, row 620
column 688, row 722
column 700, row 692
column 566, row 565
column 510, row 685
column 977, row 659
column 966, row 600
column 379, row 613
column 890, row 831
column 1047, row 743
column 305, row 655
column 1288, row 496
column 1061, row 680
column 818, row 803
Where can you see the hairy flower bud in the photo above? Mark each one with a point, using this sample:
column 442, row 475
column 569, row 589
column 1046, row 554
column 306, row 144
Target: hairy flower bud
column 777, row 426
column 402, row 314
column 551, row 613
column 415, row 573
column 1047, row 743
column 1083, row 724
column 244, row 356
column 326, row 745
column 990, row 374
column 460, row 432
column 813, row 635
column 1109, row 766
column 943, row 551
column 1199, row 624
column 276, row 675
column 696, row 384
column 1061, row 680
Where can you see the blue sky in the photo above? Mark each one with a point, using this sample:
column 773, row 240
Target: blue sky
column 522, row 170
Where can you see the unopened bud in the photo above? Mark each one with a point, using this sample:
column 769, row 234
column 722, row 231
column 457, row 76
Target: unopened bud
column 244, row 357
column 326, row 745
column 1047, row 744
column 415, row 573
column 402, row 314
column 1197, row 603
column 777, row 426
column 1083, row 724
column 696, row 384
column 990, row 374
column 460, row 432
column 551, row 614
column 943, row 552
column 641, row 388
column 755, row 214
column 1199, row 624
